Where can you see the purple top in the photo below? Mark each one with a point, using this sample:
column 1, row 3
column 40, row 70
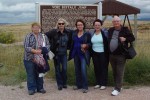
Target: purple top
column 77, row 47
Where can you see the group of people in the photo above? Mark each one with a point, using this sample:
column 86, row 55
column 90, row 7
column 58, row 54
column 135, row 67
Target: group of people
column 103, row 47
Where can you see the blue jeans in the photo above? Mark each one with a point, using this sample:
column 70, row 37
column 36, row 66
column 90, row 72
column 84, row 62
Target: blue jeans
column 33, row 81
column 61, row 70
column 80, row 72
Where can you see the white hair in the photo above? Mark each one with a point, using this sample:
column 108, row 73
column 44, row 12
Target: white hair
column 116, row 18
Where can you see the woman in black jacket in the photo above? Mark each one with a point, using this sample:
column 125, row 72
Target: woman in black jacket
column 60, row 40
column 100, row 55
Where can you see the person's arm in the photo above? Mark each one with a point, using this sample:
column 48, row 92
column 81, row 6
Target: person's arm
column 29, row 48
column 89, row 40
column 87, row 43
column 50, row 35
column 47, row 43
column 70, row 35
column 129, row 36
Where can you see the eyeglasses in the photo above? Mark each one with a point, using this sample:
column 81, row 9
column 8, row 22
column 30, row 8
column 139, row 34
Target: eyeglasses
column 61, row 23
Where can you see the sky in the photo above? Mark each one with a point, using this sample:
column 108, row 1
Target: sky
column 20, row 11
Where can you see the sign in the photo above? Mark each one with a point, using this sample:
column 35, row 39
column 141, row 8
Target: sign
column 49, row 15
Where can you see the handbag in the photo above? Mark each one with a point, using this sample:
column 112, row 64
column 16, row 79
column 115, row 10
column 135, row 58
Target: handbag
column 51, row 55
column 39, row 60
column 130, row 52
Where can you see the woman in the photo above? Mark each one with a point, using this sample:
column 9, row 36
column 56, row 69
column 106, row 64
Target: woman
column 79, row 51
column 100, row 55
column 59, row 39
column 33, row 45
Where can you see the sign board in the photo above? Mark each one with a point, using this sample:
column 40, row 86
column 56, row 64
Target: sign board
column 49, row 15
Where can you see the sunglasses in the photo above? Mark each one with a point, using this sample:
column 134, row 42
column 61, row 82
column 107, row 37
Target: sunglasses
column 61, row 23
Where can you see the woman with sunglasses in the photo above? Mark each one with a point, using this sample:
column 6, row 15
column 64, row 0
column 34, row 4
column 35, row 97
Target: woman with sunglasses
column 79, row 51
column 59, row 39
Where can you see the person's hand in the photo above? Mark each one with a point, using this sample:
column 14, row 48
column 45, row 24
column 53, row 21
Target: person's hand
column 38, row 51
column 122, row 39
column 84, row 47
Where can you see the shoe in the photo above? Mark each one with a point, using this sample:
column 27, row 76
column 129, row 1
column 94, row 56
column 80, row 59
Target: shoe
column 75, row 88
column 41, row 91
column 65, row 86
column 84, row 90
column 96, row 86
column 60, row 88
column 31, row 92
column 42, row 74
column 115, row 93
column 102, row 87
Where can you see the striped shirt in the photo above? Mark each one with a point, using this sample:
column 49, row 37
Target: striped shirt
column 30, row 43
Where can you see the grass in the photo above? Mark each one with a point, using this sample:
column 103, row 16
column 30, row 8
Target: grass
column 12, row 70
column 19, row 30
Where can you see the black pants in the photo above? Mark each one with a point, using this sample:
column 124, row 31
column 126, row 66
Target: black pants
column 118, row 65
column 100, row 68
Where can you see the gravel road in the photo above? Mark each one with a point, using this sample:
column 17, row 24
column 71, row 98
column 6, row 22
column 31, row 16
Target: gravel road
column 20, row 93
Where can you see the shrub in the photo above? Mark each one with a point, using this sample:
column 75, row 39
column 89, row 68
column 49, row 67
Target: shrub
column 7, row 38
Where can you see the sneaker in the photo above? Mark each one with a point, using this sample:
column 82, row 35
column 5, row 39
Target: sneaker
column 30, row 92
column 75, row 88
column 84, row 90
column 115, row 93
column 102, row 87
column 42, row 74
column 96, row 86
column 41, row 91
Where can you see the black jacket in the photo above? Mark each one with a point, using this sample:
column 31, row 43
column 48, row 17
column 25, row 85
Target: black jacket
column 124, row 32
column 54, row 36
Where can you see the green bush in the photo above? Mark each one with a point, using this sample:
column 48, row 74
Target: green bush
column 6, row 38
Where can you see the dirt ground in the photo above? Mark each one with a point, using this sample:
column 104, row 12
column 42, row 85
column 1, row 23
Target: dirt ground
column 18, row 93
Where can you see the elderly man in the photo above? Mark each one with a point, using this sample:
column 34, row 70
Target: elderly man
column 119, row 37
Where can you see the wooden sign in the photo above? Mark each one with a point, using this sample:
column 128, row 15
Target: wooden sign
column 49, row 15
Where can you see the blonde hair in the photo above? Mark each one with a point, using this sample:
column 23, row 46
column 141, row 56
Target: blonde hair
column 35, row 24
column 62, row 19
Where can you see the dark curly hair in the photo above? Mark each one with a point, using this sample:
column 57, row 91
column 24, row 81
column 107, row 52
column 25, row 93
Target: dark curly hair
column 98, row 20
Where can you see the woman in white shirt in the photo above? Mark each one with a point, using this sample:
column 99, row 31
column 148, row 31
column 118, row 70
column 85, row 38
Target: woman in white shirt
column 100, row 55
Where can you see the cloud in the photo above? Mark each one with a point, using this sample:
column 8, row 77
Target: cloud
column 17, row 7
column 24, row 10
column 17, row 17
column 143, row 5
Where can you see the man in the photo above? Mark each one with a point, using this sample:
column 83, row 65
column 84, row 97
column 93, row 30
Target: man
column 119, row 37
